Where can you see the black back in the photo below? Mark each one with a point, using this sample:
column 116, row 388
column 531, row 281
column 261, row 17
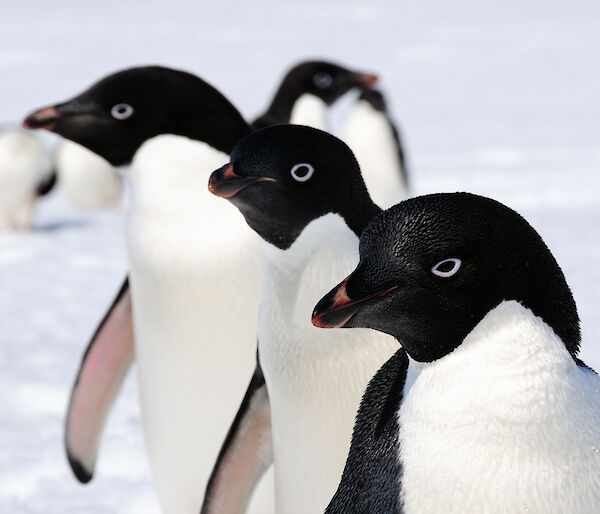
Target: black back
column 372, row 475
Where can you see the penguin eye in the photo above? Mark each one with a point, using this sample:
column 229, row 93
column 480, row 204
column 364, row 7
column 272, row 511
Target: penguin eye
column 121, row 111
column 302, row 171
column 322, row 80
column 446, row 268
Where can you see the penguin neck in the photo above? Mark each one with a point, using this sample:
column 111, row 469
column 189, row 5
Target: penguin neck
column 280, row 109
column 359, row 213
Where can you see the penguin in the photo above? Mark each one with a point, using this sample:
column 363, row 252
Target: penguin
column 301, row 190
column 26, row 173
column 306, row 92
column 486, row 406
column 87, row 180
column 194, row 266
column 374, row 138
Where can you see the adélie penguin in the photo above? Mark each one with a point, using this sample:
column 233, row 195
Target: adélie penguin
column 374, row 138
column 306, row 92
column 194, row 267
column 486, row 407
column 87, row 180
column 301, row 190
column 26, row 173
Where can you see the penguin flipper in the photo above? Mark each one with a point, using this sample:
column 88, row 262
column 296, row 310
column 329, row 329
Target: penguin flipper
column 245, row 455
column 371, row 478
column 103, row 368
column 47, row 184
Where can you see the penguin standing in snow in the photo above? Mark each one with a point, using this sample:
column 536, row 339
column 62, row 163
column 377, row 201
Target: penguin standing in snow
column 87, row 180
column 301, row 190
column 374, row 138
column 486, row 407
column 194, row 267
column 308, row 90
column 26, row 173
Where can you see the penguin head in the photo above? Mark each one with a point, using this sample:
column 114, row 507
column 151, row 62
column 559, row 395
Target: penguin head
column 284, row 176
column 433, row 266
column 117, row 114
column 326, row 80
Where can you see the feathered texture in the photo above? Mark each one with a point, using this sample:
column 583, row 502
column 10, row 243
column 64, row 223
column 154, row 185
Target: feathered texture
column 371, row 479
column 507, row 422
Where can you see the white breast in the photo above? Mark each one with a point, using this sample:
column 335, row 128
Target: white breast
column 24, row 161
column 87, row 180
column 505, row 423
column 196, row 272
column 315, row 377
column 311, row 111
column 368, row 133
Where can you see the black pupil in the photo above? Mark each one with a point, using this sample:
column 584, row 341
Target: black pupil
column 447, row 266
column 122, row 110
column 302, row 171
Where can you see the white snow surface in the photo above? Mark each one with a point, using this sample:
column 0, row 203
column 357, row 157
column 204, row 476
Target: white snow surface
column 496, row 98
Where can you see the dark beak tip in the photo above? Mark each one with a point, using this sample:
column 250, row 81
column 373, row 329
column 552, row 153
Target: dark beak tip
column 42, row 118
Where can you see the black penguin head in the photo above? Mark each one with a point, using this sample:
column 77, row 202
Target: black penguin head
column 283, row 177
column 433, row 266
column 117, row 114
column 325, row 80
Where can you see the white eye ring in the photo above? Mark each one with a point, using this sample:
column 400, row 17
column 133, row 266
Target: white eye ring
column 322, row 80
column 302, row 178
column 121, row 111
column 445, row 274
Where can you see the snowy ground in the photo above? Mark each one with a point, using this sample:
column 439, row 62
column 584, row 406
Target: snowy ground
column 498, row 98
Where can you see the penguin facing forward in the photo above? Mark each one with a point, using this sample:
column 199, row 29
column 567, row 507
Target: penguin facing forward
column 486, row 407
column 374, row 138
column 26, row 173
column 87, row 180
column 301, row 190
column 307, row 91
column 194, row 267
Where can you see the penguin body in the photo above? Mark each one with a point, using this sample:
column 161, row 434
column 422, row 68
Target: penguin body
column 87, row 180
column 373, row 137
column 25, row 165
column 486, row 408
column 195, row 275
column 314, row 379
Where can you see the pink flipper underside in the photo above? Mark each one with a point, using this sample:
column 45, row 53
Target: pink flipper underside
column 103, row 369
column 246, row 459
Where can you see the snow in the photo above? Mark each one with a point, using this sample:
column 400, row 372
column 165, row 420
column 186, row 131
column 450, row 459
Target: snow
column 497, row 98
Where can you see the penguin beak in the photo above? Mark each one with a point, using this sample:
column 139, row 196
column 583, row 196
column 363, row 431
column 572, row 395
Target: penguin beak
column 336, row 308
column 225, row 183
column 43, row 118
column 367, row 79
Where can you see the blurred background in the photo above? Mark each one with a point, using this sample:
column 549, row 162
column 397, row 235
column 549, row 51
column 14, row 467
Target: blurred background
column 496, row 98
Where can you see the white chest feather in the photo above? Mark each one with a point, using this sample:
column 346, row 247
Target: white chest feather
column 311, row 111
column 196, row 271
column 88, row 181
column 315, row 377
column 505, row 423
column 24, row 161
column 368, row 133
